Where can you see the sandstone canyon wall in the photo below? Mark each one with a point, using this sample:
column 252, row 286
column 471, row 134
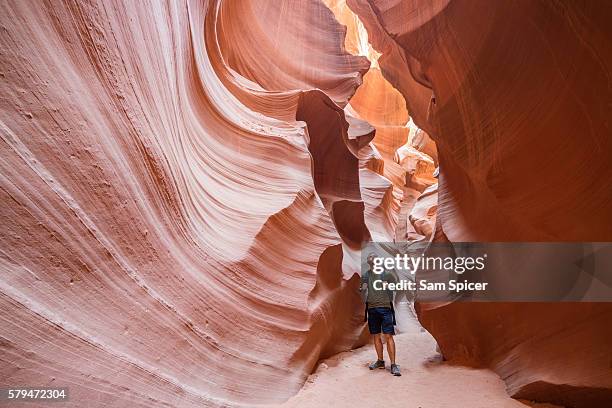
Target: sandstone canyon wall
column 408, row 154
column 183, row 198
column 516, row 95
column 186, row 186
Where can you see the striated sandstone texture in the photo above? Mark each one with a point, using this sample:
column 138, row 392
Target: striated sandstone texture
column 516, row 96
column 183, row 198
column 382, row 106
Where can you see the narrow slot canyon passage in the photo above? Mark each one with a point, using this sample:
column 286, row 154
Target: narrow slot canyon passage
column 406, row 156
column 195, row 193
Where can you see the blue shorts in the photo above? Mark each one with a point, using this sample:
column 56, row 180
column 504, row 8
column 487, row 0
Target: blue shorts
column 380, row 318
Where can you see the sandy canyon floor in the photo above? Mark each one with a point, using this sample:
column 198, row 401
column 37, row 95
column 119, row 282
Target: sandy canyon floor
column 426, row 382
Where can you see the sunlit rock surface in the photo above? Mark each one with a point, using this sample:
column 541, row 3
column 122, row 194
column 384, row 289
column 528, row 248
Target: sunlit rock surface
column 423, row 213
column 384, row 107
column 182, row 198
column 516, row 96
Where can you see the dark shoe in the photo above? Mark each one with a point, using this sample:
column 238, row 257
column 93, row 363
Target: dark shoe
column 395, row 370
column 377, row 364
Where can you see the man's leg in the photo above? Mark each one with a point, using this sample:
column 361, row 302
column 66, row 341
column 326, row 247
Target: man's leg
column 374, row 325
column 390, row 348
column 389, row 331
column 379, row 346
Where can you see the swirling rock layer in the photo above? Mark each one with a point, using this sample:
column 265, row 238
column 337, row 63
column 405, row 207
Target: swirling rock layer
column 516, row 96
column 165, row 241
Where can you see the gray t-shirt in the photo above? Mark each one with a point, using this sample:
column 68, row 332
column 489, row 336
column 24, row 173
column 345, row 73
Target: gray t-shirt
column 378, row 298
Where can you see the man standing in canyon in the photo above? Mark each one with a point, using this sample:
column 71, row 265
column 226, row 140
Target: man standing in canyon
column 380, row 314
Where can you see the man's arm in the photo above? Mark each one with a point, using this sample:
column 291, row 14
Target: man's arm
column 391, row 277
column 363, row 287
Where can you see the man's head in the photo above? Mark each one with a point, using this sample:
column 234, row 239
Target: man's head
column 371, row 258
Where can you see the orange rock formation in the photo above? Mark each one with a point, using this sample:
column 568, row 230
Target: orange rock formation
column 186, row 186
column 517, row 97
